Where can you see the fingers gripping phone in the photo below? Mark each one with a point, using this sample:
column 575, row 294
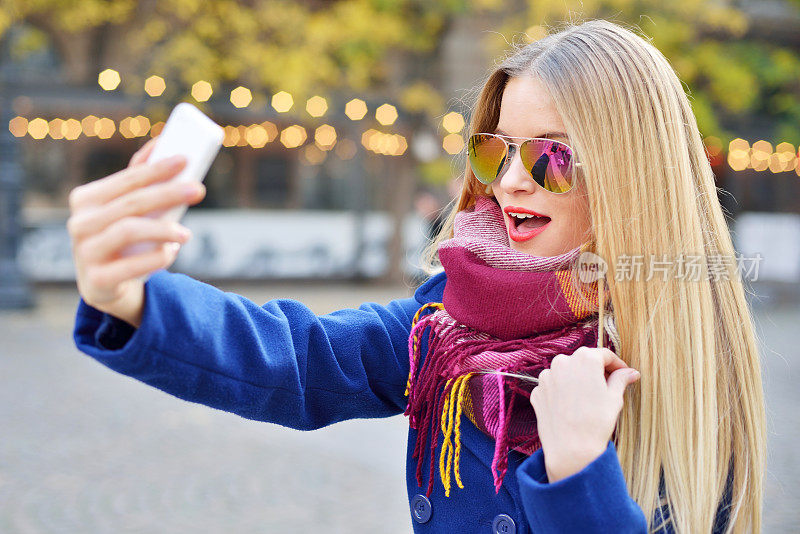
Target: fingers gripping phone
column 189, row 133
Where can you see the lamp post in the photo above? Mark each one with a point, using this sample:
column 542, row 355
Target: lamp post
column 15, row 293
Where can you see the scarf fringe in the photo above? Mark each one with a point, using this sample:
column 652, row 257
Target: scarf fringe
column 432, row 397
column 466, row 358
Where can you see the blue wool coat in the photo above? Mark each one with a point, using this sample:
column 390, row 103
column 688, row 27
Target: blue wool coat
column 283, row 364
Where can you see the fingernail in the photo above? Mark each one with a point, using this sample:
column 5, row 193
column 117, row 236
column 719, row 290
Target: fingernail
column 633, row 373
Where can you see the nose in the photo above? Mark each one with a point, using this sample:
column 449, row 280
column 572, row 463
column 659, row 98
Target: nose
column 516, row 178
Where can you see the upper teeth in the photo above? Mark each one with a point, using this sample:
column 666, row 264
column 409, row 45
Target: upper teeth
column 522, row 215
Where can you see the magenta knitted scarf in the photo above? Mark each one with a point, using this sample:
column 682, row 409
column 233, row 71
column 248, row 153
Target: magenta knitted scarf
column 502, row 310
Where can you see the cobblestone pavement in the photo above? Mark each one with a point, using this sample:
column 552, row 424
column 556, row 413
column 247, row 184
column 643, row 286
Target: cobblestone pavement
column 86, row 450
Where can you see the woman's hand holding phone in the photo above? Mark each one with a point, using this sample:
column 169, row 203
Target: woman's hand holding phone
column 108, row 215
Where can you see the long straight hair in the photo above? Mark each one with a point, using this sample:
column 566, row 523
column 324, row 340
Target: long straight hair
column 698, row 408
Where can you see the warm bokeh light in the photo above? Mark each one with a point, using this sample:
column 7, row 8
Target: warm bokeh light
column 154, row 86
column 202, row 91
column 382, row 143
column 355, row 109
column 242, row 135
column 783, row 160
column 325, row 137
column 134, row 126
column 55, row 128
column 241, row 97
column 282, row 101
column 156, row 128
column 760, row 155
column 38, row 128
column 105, row 128
column 293, row 136
column 125, row 128
column 18, row 126
column 738, row 144
column 386, row 114
column 453, row 143
column 140, row 125
column 89, row 125
column 231, row 136
column 346, row 149
column 739, row 154
column 366, row 137
column 108, row 79
column 271, row 129
column 256, row 136
column 72, row 129
column 316, row 106
column 453, row 122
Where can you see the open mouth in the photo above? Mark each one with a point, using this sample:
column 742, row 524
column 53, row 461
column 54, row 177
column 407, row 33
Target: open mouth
column 524, row 222
column 523, row 225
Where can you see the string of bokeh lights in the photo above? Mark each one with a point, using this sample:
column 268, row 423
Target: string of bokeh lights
column 741, row 155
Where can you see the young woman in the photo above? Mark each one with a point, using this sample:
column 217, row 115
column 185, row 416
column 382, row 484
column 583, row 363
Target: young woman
column 582, row 142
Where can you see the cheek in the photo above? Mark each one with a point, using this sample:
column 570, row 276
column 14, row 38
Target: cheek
column 576, row 218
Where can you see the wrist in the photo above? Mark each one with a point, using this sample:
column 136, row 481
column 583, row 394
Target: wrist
column 569, row 462
column 130, row 307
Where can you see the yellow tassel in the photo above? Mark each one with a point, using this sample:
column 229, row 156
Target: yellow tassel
column 450, row 455
column 461, row 390
column 447, row 428
column 415, row 343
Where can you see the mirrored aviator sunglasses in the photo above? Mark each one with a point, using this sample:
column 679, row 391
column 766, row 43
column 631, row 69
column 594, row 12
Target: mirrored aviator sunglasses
column 550, row 163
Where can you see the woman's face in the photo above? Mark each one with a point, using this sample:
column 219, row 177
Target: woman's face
column 526, row 110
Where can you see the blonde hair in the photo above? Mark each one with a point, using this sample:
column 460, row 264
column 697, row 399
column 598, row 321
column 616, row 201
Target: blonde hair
column 698, row 408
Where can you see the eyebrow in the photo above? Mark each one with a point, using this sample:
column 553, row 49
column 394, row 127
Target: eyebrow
column 547, row 135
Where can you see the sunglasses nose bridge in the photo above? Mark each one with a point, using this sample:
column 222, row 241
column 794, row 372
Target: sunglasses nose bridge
column 522, row 178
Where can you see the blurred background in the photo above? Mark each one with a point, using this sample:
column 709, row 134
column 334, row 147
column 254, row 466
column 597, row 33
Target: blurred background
column 345, row 124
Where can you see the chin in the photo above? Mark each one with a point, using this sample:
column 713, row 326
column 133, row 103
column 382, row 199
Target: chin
column 531, row 249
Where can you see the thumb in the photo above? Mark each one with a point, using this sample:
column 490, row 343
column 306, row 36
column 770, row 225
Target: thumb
column 622, row 378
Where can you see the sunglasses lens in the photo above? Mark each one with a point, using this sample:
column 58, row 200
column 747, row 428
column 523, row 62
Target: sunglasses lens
column 550, row 164
column 486, row 156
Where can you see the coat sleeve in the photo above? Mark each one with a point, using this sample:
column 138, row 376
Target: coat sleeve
column 595, row 499
column 278, row 362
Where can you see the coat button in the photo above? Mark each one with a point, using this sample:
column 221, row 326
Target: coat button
column 421, row 508
column 503, row 524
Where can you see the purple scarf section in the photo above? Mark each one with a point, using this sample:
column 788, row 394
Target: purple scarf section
column 502, row 310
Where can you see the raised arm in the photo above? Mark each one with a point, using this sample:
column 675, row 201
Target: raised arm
column 278, row 362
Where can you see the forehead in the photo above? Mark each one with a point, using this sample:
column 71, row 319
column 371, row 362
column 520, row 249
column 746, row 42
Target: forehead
column 526, row 109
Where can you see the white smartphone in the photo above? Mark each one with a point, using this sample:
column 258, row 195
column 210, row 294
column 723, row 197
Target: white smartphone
column 190, row 133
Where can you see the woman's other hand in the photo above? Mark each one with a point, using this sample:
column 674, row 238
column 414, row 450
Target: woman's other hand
column 108, row 215
column 577, row 402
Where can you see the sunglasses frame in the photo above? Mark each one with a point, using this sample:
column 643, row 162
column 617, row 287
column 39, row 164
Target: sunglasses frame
column 509, row 156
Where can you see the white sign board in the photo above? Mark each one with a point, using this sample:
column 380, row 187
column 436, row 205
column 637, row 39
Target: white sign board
column 776, row 237
column 253, row 244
